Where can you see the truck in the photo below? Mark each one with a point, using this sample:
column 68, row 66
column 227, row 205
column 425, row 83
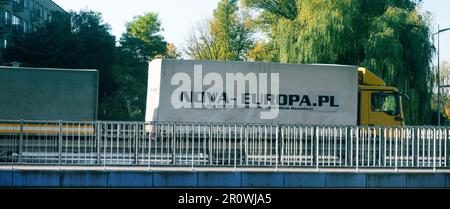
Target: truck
column 40, row 105
column 48, row 94
column 269, row 93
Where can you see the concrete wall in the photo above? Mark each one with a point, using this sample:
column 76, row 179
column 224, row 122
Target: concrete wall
column 158, row 179
column 48, row 94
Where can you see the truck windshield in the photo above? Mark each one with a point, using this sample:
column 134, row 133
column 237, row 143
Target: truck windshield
column 385, row 102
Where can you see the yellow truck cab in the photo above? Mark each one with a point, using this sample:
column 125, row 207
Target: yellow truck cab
column 379, row 104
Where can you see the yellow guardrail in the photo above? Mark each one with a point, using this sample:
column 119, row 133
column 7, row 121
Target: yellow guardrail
column 14, row 128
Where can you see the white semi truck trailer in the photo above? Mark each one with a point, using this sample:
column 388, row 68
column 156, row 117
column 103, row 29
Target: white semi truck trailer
column 273, row 93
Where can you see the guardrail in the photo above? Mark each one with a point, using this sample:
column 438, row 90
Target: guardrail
column 222, row 145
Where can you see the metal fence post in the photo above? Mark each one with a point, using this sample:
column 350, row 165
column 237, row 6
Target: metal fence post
column 382, row 147
column 99, row 139
column 396, row 149
column 357, row 149
column 316, row 133
column 276, row 147
column 136, row 143
column 412, row 147
column 241, row 139
column 348, row 138
column 417, row 139
column 235, row 145
column 445, row 147
column 281, row 152
column 210, row 154
column 193, row 144
column 351, row 146
column 60, row 143
column 435, row 135
column 246, row 151
column 21, row 141
column 172, row 128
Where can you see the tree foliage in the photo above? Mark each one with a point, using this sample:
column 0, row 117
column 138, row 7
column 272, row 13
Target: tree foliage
column 140, row 44
column 142, row 37
column 399, row 50
column 445, row 91
column 72, row 40
column 130, row 75
column 201, row 44
column 388, row 37
column 172, row 52
column 226, row 37
column 283, row 8
column 82, row 40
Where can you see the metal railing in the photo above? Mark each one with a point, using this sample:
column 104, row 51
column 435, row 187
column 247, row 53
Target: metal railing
column 221, row 145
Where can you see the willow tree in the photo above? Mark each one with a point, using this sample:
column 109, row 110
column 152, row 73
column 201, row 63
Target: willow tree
column 389, row 37
column 399, row 50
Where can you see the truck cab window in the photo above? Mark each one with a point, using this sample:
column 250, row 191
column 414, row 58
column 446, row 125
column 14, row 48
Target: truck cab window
column 385, row 102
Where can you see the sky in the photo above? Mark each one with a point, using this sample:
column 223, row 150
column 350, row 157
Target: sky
column 178, row 17
column 441, row 15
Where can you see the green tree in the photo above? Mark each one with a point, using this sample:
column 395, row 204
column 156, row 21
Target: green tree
column 78, row 40
column 230, row 31
column 283, row 8
column 445, row 91
column 399, row 50
column 130, row 76
column 228, row 36
column 82, row 40
column 142, row 37
column 37, row 48
column 200, row 44
column 140, row 44
column 172, row 52
column 389, row 37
